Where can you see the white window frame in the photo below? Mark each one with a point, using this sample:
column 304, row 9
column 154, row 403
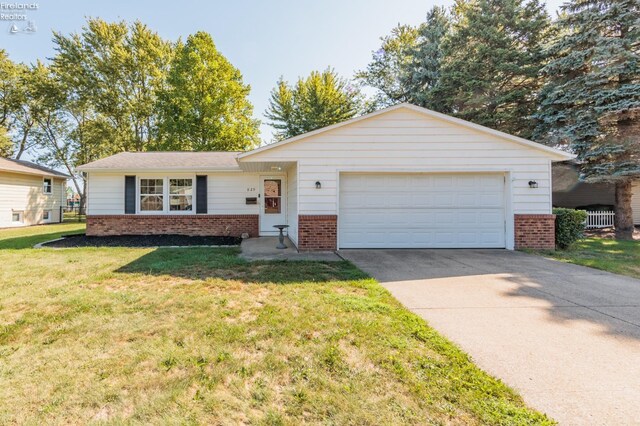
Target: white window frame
column 50, row 218
column 165, row 195
column 51, row 186
column 20, row 214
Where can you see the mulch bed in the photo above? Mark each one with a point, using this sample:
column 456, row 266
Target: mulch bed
column 81, row 240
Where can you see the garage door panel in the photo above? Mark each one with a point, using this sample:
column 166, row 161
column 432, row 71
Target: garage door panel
column 421, row 210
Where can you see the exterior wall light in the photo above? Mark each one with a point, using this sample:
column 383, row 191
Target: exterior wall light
column 318, row 185
column 533, row 184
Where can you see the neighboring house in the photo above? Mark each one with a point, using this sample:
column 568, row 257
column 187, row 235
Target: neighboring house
column 570, row 192
column 402, row 177
column 30, row 194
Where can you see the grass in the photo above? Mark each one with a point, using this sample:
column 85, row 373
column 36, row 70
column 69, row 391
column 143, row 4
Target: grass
column 619, row 257
column 200, row 336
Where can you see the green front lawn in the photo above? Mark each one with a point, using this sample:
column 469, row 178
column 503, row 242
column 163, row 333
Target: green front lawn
column 619, row 257
column 198, row 335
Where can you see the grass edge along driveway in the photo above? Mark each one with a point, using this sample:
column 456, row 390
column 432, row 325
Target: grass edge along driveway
column 618, row 257
column 198, row 335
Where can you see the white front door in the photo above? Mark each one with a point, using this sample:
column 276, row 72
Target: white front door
column 272, row 204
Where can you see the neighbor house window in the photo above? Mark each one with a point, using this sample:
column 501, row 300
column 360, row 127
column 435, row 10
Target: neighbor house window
column 180, row 194
column 151, row 194
column 46, row 215
column 16, row 217
column 47, row 186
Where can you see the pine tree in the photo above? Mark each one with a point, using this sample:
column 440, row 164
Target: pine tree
column 390, row 68
column 422, row 73
column 591, row 100
column 321, row 99
column 493, row 58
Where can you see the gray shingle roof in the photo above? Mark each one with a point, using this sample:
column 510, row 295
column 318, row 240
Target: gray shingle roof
column 27, row 167
column 180, row 160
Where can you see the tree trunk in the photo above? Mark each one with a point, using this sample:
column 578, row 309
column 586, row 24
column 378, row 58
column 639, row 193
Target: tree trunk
column 83, row 196
column 624, row 216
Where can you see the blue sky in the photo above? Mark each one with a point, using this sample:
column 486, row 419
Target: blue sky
column 264, row 39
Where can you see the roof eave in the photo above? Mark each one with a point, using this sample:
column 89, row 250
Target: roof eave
column 37, row 173
column 160, row 169
column 556, row 154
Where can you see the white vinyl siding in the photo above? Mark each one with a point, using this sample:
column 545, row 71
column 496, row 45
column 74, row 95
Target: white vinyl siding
column 24, row 193
column 226, row 192
column 635, row 203
column 403, row 140
column 105, row 193
column 292, row 203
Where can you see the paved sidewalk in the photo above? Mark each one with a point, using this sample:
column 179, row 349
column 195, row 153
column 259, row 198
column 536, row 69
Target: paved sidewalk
column 264, row 248
column 566, row 337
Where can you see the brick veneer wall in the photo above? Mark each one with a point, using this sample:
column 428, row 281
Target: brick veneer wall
column 217, row 225
column 535, row 231
column 317, row 232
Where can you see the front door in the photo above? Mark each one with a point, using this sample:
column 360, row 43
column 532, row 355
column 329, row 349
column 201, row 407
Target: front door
column 272, row 204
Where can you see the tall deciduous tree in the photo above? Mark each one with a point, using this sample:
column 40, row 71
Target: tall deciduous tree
column 494, row 55
column 319, row 100
column 6, row 144
column 205, row 104
column 117, row 69
column 591, row 100
column 15, row 115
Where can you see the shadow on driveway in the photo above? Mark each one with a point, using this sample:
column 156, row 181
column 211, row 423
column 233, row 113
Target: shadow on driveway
column 566, row 336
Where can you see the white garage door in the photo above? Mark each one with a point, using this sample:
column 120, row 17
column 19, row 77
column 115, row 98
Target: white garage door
column 421, row 211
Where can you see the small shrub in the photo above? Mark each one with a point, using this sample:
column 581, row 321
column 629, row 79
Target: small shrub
column 569, row 226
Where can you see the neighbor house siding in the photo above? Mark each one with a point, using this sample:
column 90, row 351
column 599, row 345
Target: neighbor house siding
column 226, row 192
column 22, row 192
column 292, row 203
column 635, row 203
column 407, row 141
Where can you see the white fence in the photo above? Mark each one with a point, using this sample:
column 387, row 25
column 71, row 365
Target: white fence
column 599, row 220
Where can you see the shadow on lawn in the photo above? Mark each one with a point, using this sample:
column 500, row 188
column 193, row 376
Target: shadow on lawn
column 224, row 263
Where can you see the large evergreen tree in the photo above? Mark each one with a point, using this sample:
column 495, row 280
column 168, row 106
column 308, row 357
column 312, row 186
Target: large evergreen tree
column 205, row 105
column 493, row 58
column 390, row 68
column 421, row 74
column 321, row 99
column 591, row 100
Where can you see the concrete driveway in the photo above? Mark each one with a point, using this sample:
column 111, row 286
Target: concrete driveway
column 566, row 337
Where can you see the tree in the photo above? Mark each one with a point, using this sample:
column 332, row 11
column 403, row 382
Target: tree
column 205, row 104
column 116, row 70
column 591, row 99
column 51, row 130
column 319, row 100
column 422, row 72
column 6, row 144
column 493, row 57
column 9, row 88
column 389, row 70
column 15, row 116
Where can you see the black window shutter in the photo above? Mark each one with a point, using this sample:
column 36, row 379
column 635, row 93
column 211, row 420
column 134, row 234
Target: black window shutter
column 201, row 194
column 129, row 194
